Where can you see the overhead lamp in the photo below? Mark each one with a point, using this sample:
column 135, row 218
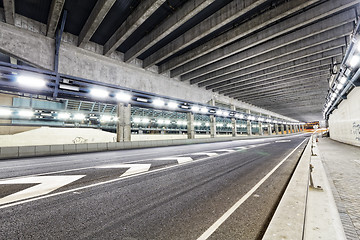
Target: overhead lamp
column 219, row 112
column 261, row 119
column 144, row 100
column 204, row 110
column 99, row 93
column 354, row 61
column 160, row 121
column 219, row 124
column 339, row 86
column 158, row 103
column 145, row 120
column 137, row 120
column 105, row 118
column 172, row 105
column 229, row 125
column 197, row 124
column 241, row 116
column 167, row 121
column 31, row 81
column 343, row 80
column 26, row 113
column 63, row 115
column 123, row 97
column 79, row 117
column 195, row 109
column 225, row 113
column 5, row 112
column 207, row 124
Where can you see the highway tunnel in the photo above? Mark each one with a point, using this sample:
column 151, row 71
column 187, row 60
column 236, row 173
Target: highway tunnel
column 179, row 119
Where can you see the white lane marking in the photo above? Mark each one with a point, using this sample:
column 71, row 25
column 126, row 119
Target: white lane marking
column 280, row 141
column 178, row 159
column 133, row 168
column 210, row 154
column 228, row 213
column 95, row 184
column 46, row 184
column 224, row 150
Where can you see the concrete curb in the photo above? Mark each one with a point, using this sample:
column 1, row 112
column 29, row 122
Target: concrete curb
column 289, row 217
column 61, row 149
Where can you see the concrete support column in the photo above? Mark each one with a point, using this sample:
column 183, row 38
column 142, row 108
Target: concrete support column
column 190, row 125
column 291, row 128
column 276, row 129
column 282, row 129
column 249, row 127
column 296, row 129
column 233, row 123
column 123, row 128
column 269, row 129
column 212, row 126
column 261, row 131
column 287, row 129
column 302, row 128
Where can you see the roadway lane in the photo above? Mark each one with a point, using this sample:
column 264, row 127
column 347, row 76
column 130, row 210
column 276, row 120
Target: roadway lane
column 175, row 202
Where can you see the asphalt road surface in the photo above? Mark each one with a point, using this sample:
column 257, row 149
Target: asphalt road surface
column 226, row 190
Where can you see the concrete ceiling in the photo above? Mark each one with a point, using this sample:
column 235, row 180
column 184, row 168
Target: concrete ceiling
column 277, row 55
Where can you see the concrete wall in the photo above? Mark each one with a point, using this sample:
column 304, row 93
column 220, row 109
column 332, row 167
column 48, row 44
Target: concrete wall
column 54, row 136
column 35, row 48
column 60, row 149
column 344, row 122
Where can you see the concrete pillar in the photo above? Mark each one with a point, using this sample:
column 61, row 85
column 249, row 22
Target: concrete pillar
column 212, row 126
column 269, row 129
column 291, row 128
column 276, row 129
column 190, row 125
column 261, row 131
column 302, row 128
column 123, row 128
column 248, row 127
column 233, row 123
column 287, row 129
column 296, row 128
column 282, row 129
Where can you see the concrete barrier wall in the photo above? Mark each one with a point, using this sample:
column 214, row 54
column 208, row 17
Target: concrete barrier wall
column 344, row 122
column 59, row 149
column 289, row 217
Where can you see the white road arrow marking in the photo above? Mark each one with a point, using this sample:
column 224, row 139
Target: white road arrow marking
column 46, row 184
column 179, row 159
column 210, row 154
column 133, row 168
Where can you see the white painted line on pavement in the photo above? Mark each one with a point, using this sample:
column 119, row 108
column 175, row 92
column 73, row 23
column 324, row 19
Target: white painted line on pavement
column 133, row 168
column 45, row 185
column 178, row 159
column 210, row 154
column 280, row 141
column 228, row 213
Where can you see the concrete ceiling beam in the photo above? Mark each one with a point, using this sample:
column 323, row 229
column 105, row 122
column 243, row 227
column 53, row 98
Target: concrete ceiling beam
column 186, row 12
column 306, row 76
column 270, row 48
column 143, row 11
column 247, row 28
column 251, row 73
column 336, row 33
column 268, row 60
column 9, row 11
column 97, row 15
column 294, row 87
column 56, row 8
column 289, row 92
column 310, row 16
column 225, row 15
column 296, row 69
